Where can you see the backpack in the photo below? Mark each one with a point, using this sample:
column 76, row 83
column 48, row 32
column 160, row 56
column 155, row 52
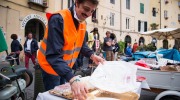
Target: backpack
column 116, row 49
column 20, row 47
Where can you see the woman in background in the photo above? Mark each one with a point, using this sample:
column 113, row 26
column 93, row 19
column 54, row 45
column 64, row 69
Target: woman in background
column 15, row 48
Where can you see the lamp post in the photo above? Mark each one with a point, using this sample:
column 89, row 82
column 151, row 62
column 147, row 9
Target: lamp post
column 154, row 41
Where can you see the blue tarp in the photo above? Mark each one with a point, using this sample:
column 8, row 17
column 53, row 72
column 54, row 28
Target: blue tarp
column 172, row 54
column 143, row 54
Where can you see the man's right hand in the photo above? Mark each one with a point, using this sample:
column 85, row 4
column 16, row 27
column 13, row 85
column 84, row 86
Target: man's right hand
column 79, row 89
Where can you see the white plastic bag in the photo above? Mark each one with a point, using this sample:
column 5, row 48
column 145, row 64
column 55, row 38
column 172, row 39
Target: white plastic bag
column 115, row 76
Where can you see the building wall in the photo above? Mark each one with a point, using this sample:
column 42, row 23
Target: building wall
column 172, row 22
column 103, row 15
column 154, row 19
column 173, row 11
column 134, row 15
column 13, row 13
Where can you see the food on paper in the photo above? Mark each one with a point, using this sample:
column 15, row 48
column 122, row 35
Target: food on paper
column 62, row 91
column 65, row 89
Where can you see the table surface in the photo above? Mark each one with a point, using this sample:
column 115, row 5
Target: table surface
column 47, row 96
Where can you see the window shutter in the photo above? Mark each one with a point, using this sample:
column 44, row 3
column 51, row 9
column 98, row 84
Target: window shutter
column 142, row 8
column 145, row 26
column 127, row 4
column 139, row 25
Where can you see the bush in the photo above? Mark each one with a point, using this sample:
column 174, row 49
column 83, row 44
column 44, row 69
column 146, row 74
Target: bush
column 122, row 46
column 149, row 47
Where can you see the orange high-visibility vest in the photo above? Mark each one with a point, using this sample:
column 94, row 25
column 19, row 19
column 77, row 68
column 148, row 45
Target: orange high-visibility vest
column 73, row 40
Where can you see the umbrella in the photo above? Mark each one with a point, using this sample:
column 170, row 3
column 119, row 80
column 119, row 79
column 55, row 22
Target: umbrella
column 166, row 33
column 3, row 44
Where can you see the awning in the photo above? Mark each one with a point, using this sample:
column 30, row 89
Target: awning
column 166, row 33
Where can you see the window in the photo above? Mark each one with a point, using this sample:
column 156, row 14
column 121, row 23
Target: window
column 94, row 17
column 37, row 1
column 127, row 4
column 142, row 26
column 112, row 1
column 42, row 3
column 165, row 44
column 154, row 12
column 70, row 3
column 111, row 19
column 165, row 14
column 142, row 8
column 179, row 3
column 178, row 17
column 127, row 23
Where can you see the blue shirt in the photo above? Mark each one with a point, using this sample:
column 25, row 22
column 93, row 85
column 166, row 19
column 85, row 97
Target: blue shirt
column 128, row 51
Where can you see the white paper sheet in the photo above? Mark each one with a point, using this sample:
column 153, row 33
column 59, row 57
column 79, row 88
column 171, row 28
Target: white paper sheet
column 115, row 76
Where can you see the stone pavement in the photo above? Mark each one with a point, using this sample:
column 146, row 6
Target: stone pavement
column 30, row 90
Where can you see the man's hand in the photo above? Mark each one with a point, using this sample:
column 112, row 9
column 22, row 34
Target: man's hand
column 79, row 89
column 97, row 59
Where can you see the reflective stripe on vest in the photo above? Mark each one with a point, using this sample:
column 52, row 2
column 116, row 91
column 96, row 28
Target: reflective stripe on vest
column 69, row 52
column 73, row 40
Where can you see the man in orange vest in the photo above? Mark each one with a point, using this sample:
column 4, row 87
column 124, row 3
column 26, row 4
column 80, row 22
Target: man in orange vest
column 62, row 43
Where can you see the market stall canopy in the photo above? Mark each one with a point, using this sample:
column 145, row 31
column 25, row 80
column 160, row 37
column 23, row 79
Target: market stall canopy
column 166, row 33
column 3, row 44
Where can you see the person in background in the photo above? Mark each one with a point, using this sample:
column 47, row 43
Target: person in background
column 62, row 43
column 116, row 50
column 30, row 49
column 128, row 50
column 135, row 46
column 15, row 48
column 96, row 37
column 108, row 43
column 92, row 37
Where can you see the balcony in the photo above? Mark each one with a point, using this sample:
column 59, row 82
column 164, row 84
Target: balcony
column 42, row 3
